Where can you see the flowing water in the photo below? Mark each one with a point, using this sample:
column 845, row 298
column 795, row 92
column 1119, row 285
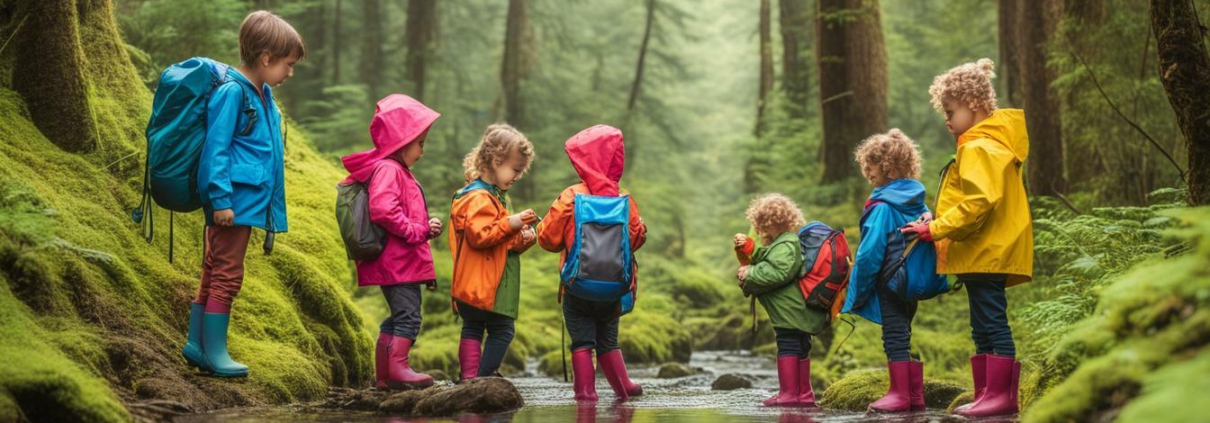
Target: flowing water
column 685, row 399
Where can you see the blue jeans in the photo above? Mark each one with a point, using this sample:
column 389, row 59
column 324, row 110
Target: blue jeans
column 989, row 314
column 792, row 342
column 500, row 332
column 592, row 324
column 404, row 301
column 897, row 316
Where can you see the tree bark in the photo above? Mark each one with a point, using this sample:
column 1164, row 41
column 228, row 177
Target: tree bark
column 1007, row 17
column 371, row 48
column 852, row 61
column 48, row 73
column 1184, row 68
column 638, row 68
column 337, row 43
column 420, row 32
column 766, row 67
column 795, row 20
column 1047, row 174
column 518, row 51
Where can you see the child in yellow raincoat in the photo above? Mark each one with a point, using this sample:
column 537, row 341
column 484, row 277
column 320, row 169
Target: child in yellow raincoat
column 983, row 229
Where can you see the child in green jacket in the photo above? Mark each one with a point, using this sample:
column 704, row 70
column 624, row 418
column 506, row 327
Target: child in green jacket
column 771, row 273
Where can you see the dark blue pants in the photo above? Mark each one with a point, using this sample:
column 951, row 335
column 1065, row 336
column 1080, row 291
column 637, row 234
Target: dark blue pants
column 592, row 324
column 897, row 316
column 404, row 302
column 792, row 342
column 500, row 332
column 989, row 314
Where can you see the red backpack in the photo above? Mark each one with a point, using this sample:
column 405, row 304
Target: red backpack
column 826, row 261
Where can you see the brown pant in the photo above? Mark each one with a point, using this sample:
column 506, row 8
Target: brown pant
column 223, row 267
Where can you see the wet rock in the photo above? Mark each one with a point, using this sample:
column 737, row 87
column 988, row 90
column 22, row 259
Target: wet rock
column 731, row 381
column 858, row 389
column 439, row 374
column 674, row 370
column 480, row 395
column 353, row 399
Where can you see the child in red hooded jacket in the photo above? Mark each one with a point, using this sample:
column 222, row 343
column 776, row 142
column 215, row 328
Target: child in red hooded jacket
column 598, row 155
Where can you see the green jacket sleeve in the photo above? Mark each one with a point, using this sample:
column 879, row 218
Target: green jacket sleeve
column 780, row 265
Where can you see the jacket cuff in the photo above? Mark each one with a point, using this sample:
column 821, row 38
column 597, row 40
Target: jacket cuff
column 220, row 203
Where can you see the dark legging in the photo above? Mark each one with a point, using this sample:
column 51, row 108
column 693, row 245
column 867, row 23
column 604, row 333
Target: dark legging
column 792, row 342
column 592, row 324
column 989, row 314
column 404, row 301
column 500, row 331
column 897, row 316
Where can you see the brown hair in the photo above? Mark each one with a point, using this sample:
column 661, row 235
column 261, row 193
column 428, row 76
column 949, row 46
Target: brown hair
column 773, row 214
column 893, row 151
column 498, row 141
column 968, row 83
column 263, row 32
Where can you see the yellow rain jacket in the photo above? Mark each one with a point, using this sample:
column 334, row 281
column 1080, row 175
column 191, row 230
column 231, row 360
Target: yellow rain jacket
column 983, row 224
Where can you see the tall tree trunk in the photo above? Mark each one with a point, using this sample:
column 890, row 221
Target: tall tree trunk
column 1047, row 174
column 48, row 73
column 371, row 48
column 1184, row 68
column 766, row 66
column 518, row 51
column 337, row 44
column 420, row 31
column 1007, row 12
column 795, row 21
column 638, row 68
column 852, row 61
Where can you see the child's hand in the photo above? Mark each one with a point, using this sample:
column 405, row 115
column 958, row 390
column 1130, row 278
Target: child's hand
column 740, row 240
column 527, row 217
column 224, row 217
column 925, row 218
column 742, row 274
column 920, row 229
column 527, row 235
column 435, row 227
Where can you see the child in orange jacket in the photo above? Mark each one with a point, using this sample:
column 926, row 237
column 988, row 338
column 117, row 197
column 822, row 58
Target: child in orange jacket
column 487, row 242
column 598, row 155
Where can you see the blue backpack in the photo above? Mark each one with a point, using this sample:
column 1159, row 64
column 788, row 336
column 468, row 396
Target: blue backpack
column 909, row 266
column 175, row 136
column 600, row 265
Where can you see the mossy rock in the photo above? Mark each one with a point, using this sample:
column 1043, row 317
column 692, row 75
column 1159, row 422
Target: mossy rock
column 481, row 395
column 858, row 389
column 674, row 370
column 731, row 381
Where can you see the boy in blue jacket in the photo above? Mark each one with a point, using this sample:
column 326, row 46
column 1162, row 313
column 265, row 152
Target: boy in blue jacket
column 241, row 179
column 891, row 162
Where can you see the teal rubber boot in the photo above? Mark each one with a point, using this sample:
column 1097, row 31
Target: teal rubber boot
column 193, row 346
column 214, row 345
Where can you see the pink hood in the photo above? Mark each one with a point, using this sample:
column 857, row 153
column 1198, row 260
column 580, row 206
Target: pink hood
column 599, row 156
column 398, row 121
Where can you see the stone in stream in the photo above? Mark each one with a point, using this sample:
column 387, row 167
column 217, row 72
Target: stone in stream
column 731, row 381
column 480, row 395
column 859, row 388
column 674, row 370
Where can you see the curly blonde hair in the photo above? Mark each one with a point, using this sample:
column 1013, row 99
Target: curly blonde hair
column 968, row 83
column 893, row 152
column 773, row 214
column 498, row 141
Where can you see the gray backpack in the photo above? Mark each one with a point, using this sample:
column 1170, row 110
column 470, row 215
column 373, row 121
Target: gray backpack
column 363, row 239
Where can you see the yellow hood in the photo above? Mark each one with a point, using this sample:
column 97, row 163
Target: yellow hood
column 1006, row 126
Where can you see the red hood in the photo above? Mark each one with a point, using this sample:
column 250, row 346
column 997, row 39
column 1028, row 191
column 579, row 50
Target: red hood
column 599, row 156
column 398, row 121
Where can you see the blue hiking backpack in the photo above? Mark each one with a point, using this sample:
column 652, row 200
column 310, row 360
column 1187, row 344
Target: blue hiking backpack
column 600, row 265
column 909, row 266
column 175, row 136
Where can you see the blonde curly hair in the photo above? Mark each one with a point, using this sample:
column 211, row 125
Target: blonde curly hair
column 968, row 83
column 773, row 214
column 894, row 153
column 498, row 141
